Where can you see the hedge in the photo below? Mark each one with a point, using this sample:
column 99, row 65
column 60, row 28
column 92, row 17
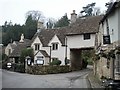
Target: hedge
column 41, row 70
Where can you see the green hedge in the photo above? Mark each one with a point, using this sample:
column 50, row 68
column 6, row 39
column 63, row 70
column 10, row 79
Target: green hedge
column 19, row 68
column 39, row 70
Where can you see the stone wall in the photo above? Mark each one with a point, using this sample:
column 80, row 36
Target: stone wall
column 41, row 70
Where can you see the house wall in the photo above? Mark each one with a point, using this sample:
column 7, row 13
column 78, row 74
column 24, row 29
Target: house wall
column 46, row 59
column 77, row 41
column 113, row 23
column 113, row 26
column 36, row 40
column 7, row 49
column 102, row 69
column 119, row 25
column 60, row 53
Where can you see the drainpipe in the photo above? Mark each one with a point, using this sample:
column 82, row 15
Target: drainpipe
column 50, row 53
column 66, row 47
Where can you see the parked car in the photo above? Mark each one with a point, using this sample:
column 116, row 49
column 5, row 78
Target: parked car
column 111, row 84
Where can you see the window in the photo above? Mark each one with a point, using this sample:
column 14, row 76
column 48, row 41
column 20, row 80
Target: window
column 118, row 63
column 40, row 60
column 86, row 36
column 9, row 51
column 53, row 59
column 54, row 46
column 37, row 46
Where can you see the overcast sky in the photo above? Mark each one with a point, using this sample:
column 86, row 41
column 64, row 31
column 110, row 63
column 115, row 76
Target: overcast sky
column 15, row 10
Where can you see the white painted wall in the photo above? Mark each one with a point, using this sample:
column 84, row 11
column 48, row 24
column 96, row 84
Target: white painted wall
column 36, row 40
column 113, row 22
column 77, row 41
column 7, row 49
column 46, row 59
column 60, row 53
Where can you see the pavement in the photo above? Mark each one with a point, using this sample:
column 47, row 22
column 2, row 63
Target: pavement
column 94, row 81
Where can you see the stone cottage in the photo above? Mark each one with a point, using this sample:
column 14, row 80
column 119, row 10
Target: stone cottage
column 108, row 44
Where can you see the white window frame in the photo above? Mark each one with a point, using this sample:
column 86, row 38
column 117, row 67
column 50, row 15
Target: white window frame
column 54, row 46
column 37, row 46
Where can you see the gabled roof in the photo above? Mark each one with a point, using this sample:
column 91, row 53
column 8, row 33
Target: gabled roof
column 81, row 26
column 20, row 46
column 110, row 9
column 43, row 52
column 85, row 25
column 12, row 45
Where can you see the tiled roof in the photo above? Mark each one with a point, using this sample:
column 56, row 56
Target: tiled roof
column 20, row 46
column 87, row 25
column 43, row 52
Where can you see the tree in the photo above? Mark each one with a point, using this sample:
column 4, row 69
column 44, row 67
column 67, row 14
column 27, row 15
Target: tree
column 50, row 23
column 11, row 32
column 26, row 52
column 64, row 21
column 32, row 18
column 88, row 9
column 36, row 15
column 30, row 27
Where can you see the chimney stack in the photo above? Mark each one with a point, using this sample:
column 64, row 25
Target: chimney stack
column 73, row 17
column 39, row 26
column 22, row 38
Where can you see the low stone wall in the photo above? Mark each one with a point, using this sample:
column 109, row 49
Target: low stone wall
column 41, row 70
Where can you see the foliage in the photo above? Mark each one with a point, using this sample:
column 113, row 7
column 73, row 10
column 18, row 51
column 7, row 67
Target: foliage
column 50, row 24
column 88, row 9
column 87, row 56
column 26, row 52
column 30, row 27
column 11, row 33
column 41, row 70
column 19, row 68
column 55, row 62
column 62, row 22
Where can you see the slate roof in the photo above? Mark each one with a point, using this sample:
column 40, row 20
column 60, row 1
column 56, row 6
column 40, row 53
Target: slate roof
column 87, row 25
column 20, row 46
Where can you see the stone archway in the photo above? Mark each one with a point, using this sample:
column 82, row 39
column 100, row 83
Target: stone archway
column 75, row 57
column 77, row 62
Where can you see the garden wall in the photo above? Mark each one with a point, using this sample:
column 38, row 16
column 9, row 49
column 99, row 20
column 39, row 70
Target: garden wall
column 52, row 69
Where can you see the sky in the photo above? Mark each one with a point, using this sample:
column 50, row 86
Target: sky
column 15, row 10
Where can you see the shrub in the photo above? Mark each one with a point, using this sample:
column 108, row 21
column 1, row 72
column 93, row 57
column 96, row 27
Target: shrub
column 41, row 70
column 19, row 68
column 55, row 62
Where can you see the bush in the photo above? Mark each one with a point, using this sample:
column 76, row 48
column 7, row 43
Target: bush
column 55, row 62
column 19, row 68
column 41, row 70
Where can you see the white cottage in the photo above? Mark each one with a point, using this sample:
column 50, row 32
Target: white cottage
column 60, row 43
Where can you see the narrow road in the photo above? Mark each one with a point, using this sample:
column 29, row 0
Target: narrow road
column 75, row 79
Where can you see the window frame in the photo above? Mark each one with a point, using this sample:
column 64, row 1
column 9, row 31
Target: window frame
column 54, row 46
column 87, row 36
column 37, row 46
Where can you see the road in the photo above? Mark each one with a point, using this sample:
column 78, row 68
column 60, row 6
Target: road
column 75, row 79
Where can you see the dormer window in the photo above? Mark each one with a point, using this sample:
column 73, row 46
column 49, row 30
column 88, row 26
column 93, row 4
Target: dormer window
column 86, row 36
column 54, row 46
column 37, row 46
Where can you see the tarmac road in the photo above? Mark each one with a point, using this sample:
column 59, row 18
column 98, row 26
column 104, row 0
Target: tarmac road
column 75, row 79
